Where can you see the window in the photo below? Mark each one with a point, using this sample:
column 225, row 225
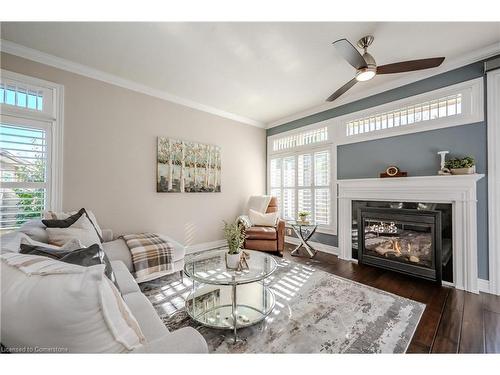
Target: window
column 301, row 182
column 454, row 105
column 301, row 139
column 30, row 137
column 23, row 175
column 427, row 111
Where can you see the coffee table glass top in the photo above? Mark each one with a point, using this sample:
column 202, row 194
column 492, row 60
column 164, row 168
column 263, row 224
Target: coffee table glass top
column 210, row 268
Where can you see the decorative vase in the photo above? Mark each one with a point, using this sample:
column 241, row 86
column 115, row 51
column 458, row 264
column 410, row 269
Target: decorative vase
column 470, row 170
column 232, row 260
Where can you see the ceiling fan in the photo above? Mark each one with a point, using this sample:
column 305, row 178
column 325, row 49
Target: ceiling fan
column 366, row 67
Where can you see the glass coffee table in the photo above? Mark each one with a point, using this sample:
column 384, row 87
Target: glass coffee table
column 229, row 299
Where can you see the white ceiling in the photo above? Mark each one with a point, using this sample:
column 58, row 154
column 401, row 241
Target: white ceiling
column 261, row 71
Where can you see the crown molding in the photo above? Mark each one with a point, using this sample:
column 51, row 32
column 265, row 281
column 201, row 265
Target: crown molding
column 472, row 57
column 84, row 70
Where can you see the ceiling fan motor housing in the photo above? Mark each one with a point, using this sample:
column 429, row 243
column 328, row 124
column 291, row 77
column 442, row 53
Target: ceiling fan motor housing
column 368, row 72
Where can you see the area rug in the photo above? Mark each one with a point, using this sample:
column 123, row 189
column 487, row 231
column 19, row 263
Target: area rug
column 315, row 312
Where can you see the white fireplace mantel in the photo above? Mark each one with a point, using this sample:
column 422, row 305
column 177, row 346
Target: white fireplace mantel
column 460, row 191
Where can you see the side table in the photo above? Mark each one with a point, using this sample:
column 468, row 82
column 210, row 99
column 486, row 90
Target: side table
column 304, row 232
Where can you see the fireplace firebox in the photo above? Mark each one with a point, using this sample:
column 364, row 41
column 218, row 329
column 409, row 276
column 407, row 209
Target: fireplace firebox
column 402, row 240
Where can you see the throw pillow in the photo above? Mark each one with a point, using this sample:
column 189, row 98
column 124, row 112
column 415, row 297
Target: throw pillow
column 82, row 229
column 72, row 244
column 259, row 203
column 65, row 220
column 51, row 304
column 35, row 229
column 265, row 220
column 63, row 223
column 87, row 256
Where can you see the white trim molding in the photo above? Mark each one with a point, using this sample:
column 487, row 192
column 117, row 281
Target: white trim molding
column 53, row 115
column 460, row 191
column 87, row 71
column 315, row 245
column 493, row 95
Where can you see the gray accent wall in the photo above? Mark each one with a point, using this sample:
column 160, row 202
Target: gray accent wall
column 416, row 154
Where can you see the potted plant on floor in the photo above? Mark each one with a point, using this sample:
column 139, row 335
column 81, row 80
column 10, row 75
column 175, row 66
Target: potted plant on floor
column 234, row 233
column 464, row 165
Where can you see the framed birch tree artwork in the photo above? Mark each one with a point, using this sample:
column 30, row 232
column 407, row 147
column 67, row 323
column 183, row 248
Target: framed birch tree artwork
column 187, row 167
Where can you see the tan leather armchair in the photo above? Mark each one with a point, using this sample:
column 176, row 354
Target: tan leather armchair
column 267, row 238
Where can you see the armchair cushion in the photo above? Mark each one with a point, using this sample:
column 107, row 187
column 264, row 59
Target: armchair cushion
column 261, row 233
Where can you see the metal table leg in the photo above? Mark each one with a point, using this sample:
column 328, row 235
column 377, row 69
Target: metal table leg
column 234, row 312
column 303, row 242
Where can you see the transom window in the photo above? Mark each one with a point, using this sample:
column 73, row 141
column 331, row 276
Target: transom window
column 22, row 96
column 426, row 111
column 301, row 182
column 301, row 139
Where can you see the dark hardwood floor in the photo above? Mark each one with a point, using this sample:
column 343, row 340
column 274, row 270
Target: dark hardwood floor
column 454, row 321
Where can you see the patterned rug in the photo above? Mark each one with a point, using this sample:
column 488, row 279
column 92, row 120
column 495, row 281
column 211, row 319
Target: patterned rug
column 315, row 312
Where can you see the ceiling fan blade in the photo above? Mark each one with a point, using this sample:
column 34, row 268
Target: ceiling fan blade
column 350, row 53
column 409, row 66
column 342, row 90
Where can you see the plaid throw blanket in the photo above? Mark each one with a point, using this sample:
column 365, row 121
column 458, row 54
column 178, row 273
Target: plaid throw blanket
column 151, row 255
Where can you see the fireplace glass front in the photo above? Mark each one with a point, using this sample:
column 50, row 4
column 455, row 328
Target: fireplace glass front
column 402, row 240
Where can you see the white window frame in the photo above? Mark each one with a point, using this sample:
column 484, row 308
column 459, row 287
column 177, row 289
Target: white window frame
column 472, row 112
column 310, row 148
column 51, row 119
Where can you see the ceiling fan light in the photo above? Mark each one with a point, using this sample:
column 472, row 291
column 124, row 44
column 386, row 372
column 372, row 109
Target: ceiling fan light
column 365, row 74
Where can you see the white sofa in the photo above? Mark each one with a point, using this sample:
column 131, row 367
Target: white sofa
column 158, row 338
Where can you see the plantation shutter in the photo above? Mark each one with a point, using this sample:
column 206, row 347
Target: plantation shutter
column 302, row 183
column 23, row 174
column 322, row 187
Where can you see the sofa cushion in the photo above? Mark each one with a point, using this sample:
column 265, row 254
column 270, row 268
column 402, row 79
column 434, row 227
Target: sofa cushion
column 151, row 325
column 118, row 250
column 184, row 340
column 124, row 278
column 51, row 304
column 261, row 233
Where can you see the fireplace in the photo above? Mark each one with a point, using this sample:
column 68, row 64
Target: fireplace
column 403, row 240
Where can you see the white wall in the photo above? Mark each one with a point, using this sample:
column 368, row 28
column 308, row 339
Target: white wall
column 110, row 157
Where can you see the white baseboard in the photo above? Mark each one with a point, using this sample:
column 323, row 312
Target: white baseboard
column 316, row 245
column 204, row 246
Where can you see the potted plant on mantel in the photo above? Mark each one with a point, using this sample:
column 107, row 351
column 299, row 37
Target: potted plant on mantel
column 234, row 233
column 464, row 165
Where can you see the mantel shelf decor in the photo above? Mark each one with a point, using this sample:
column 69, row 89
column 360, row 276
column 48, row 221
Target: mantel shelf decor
column 187, row 167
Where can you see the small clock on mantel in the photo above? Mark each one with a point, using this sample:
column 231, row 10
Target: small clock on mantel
column 393, row 171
